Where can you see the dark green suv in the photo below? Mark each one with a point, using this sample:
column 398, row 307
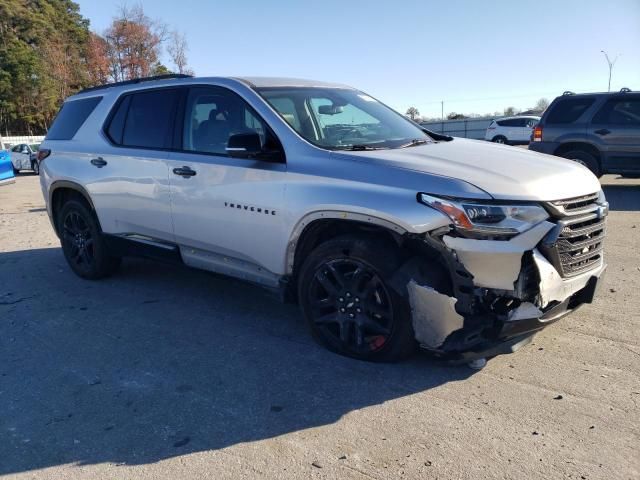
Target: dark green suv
column 599, row 130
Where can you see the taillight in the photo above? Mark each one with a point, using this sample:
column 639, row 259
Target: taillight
column 42, row 154
column 537, row 133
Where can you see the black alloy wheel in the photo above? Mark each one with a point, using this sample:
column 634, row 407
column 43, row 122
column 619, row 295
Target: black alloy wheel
column 82, row 242
column 77, row 237
column 350, row 307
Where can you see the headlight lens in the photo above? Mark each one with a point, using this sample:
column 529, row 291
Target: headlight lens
column 476, row 219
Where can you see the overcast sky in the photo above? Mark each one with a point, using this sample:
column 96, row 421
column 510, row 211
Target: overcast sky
column 476, row 56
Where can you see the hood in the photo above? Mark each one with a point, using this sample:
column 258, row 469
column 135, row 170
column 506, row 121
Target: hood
column 505, row 172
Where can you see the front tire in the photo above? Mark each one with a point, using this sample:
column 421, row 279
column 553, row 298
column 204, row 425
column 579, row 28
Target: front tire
column 82, row 243
column 586, row 159
column 500, row 139
column 350, row 307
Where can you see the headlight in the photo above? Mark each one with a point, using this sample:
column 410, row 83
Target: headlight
column 476, row 219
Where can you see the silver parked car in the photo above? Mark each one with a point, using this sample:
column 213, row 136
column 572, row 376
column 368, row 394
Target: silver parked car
column 387, row 235
column 24, row 157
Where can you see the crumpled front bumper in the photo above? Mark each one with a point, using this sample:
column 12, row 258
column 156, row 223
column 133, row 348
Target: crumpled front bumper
column 513, row 334
column 494, row 270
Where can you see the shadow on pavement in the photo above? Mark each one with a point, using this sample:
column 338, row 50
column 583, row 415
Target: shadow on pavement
column 160, row 361
column 625, row 198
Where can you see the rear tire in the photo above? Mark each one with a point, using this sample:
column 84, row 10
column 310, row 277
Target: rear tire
column 584, row 158
column 500, row 139
column 350, row 307
column 82, row 243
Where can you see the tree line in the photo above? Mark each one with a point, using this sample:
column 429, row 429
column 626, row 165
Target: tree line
column 48, row 52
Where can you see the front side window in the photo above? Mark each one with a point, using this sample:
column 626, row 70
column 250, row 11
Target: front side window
column 212, row 115
column 619, row 112
column 342, row 119
column 149, row 119
column 569, row 110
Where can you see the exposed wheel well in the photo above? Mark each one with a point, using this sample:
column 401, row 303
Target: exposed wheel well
column 585, row 147
column 322, row 230
column 63, row 194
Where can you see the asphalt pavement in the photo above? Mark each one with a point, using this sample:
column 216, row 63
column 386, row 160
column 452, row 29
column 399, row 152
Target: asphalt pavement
column 165, row 372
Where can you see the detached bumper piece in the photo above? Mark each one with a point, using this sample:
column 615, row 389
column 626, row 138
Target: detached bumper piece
column 499, row 336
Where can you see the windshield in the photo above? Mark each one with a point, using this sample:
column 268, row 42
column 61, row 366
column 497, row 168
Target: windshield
column 342, row 119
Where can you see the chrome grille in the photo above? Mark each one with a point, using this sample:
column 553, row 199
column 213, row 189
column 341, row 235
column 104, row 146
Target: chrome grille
column 575, row 245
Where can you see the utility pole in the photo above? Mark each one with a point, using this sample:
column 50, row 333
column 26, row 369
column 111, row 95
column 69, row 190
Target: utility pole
column 442, row 109
column 611, row 64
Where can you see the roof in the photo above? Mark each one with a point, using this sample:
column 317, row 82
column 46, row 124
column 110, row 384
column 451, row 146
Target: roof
column 265, row 82
column 178, row 79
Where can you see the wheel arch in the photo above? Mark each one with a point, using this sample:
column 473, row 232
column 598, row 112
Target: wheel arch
column 582, row 146
column 63, row 190
column 317, row 227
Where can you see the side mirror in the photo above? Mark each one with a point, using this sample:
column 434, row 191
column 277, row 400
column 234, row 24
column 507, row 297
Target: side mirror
column 244, row 145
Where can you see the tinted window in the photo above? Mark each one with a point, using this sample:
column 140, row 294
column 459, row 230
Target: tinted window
column 569, row 110
column 619, row 112
column 148, row 120
column 212, row 115
column 116, row 126
column 71, row 117
column 513, row 122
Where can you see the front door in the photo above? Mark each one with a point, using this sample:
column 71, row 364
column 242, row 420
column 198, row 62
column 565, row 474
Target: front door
column 225, row 209
column 617, row 127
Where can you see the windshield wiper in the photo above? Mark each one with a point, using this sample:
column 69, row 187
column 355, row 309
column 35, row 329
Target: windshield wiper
column 413, row 143
column 360, row 147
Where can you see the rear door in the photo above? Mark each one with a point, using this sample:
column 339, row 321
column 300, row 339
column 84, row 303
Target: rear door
column 617, row 126
column 128, row 182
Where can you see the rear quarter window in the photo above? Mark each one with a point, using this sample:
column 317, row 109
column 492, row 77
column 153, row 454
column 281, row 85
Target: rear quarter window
column 569, row 110
column 71, row 117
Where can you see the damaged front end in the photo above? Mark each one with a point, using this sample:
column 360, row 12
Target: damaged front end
column 492, row 295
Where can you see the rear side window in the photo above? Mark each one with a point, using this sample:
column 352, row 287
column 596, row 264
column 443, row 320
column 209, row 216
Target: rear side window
column 144, row 119
column 619, row 112
column 71, row 117
column 569, row 110
column 513, row 122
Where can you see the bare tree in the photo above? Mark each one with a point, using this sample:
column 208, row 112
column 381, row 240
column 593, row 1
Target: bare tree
column 133, row 43
column 412, row 113
column 510, row 111
column 541, row 105
column 177, row 50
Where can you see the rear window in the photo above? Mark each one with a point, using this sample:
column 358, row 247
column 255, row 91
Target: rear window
column 621, row 111
column 569, row 110
column 144, row 119
column 71, row 117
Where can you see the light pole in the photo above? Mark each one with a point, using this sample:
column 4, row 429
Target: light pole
column 611, row 64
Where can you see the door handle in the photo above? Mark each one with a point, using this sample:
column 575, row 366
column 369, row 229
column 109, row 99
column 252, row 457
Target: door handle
column 184, row 172
column 98, row 162
column 603, row 132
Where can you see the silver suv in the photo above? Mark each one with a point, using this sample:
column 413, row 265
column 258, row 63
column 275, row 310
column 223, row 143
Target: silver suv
column 387, row 235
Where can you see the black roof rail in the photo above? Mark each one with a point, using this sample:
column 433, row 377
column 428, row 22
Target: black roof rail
column 136, row 80
column 568, row 92
column 625, row 90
